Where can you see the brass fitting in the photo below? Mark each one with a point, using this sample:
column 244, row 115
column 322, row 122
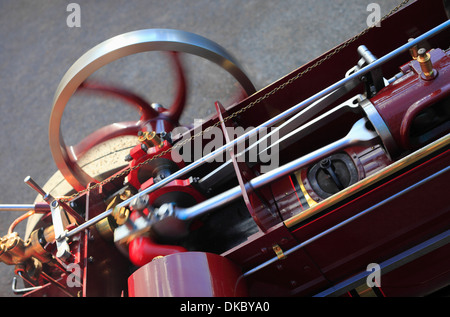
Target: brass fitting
column 14, row 246
column 413, row 50
column 34, row 247
column 32, row 269
column 121, row 215
column 150, row 139
column 13, row 250
column 154, row 139
column 4, row 256
column 426, row 65
column 142, row 137
column 118, row 217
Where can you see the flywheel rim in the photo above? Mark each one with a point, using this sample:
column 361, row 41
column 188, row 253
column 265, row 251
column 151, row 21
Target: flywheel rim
column 115, row 48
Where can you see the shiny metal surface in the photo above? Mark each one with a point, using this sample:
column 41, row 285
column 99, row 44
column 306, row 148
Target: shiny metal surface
column 295, row 109
column 59, row 223
column 381, row 128
column 111, row 50
column 16, row 207
column 30, row 182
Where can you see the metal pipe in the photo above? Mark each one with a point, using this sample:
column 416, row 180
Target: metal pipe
column 291, row 111
column 22, row 290
column 17, row 207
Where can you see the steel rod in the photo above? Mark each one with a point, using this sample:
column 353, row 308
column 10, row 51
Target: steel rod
column 17, row 207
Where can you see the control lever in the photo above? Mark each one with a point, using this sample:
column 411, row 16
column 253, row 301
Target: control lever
column 327, row 166
column 59, row 219
column 60, row 222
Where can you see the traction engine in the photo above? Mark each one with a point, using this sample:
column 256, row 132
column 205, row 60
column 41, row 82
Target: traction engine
column 337, row 171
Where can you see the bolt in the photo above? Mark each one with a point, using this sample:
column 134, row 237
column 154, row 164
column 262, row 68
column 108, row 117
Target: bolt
column 325, row 163
column 128, row 158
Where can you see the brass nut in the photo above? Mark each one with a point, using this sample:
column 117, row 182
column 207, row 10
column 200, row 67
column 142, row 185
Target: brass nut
column 121, row 215
column 425, row 64
column 125, row 195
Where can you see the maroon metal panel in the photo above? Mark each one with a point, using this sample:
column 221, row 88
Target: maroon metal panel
column 400, row 102
column 431, row 272
column 388, row 229
column 187, row 274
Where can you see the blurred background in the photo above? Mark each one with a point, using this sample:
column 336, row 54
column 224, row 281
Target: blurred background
column 270, row 38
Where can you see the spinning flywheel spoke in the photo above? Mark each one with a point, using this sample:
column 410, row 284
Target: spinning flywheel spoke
column 152, row 116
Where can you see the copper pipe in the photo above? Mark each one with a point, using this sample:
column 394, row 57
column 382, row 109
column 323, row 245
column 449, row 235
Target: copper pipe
column 20, row 219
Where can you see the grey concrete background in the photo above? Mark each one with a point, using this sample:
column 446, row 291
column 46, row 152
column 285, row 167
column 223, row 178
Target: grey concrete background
column 269, row 37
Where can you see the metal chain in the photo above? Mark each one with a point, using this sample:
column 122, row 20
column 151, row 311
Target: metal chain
column 235, row 114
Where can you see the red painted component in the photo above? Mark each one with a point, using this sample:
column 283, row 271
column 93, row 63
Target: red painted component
column 139, row 156
column 131, row 98
column 177, row 106
column 394, row 103
column 178, row 185
column 188, row 274
column 142, row 250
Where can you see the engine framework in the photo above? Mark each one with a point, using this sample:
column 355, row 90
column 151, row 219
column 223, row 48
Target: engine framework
column 361, row 166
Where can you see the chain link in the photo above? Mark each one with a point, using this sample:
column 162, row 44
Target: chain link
column 238, row 112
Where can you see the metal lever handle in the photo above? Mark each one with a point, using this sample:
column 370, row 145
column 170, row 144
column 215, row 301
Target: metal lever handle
column 22, row 290
column 30, row 182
